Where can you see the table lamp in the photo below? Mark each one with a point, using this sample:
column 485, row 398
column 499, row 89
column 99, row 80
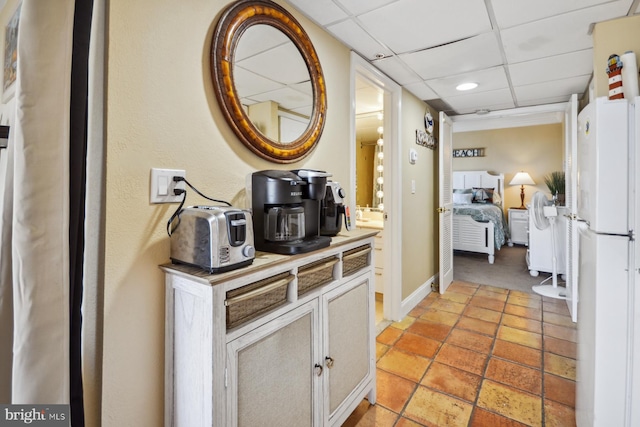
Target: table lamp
column 522, row 179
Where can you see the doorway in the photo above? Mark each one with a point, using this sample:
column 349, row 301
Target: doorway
column 376, row 100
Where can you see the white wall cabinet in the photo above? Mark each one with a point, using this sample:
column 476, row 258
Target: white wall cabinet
column 308, row 361
column 539, row 254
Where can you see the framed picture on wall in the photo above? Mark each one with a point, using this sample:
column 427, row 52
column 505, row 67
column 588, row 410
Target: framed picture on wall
column 10, row 56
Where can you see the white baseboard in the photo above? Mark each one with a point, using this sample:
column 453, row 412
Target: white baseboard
column 418, row 295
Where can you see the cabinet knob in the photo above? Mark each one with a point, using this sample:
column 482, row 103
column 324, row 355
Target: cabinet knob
column 329, row 362
column 318, row 369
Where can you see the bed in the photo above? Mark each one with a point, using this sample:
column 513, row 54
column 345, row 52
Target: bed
column 478, row 219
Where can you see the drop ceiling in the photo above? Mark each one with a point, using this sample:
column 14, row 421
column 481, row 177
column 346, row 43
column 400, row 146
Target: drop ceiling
column 520, row 53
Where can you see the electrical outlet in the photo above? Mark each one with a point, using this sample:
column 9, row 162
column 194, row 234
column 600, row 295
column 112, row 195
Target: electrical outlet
column 162, row 185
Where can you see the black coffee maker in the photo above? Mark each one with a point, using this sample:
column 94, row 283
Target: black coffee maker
column 332, row 210
column 283, row 213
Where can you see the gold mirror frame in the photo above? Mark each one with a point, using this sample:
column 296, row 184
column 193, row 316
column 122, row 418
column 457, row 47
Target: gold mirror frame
column 235, row 20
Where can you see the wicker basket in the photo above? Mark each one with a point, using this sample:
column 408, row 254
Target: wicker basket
column 255, row 299
column 316, row 274
column 355, row 259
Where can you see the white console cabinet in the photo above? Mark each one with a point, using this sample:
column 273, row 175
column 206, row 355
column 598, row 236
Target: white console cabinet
column 307, row 360
column 539, row 254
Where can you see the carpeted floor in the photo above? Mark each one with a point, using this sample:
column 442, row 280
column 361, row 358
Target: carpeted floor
column 509, row 270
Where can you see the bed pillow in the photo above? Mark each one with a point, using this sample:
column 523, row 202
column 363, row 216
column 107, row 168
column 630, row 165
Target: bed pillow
column 497, row 199
column 462, row 191
column 462, row 198
column 482, row 195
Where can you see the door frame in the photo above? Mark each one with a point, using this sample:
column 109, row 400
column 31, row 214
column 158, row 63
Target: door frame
column 392, row 179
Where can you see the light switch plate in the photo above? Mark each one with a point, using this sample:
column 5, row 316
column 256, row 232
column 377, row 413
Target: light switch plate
column 162, row 185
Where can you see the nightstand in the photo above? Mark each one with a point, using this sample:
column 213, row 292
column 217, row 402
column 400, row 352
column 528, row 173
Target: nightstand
column 518, row 223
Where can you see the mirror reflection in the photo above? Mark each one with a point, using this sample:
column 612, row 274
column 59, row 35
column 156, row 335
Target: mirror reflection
column 273, row 83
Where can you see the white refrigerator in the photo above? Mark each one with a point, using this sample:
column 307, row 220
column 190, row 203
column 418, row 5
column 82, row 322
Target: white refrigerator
column 608, row 356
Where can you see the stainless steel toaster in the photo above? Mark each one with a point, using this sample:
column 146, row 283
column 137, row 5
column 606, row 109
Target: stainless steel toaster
column 214, row 238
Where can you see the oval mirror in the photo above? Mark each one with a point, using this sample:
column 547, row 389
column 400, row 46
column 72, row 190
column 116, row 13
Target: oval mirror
column 268, row 80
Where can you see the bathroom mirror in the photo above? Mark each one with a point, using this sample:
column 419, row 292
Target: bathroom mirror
column 268, row 80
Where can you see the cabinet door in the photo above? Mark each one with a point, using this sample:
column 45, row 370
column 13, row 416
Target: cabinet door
column 348, row 339
column 271, row 371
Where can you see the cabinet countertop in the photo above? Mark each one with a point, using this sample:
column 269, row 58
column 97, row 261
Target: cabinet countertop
column 263, row 260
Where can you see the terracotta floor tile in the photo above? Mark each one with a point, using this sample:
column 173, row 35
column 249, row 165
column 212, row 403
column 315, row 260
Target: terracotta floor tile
column 470, row 340
column 406, row 365
column 482, row 314
column 561, row 347
column 559, row 319
column 462, row 358
column 518, row 310
column 450, row 306
column 366, row 415
column 518, row 336
column 567, row 334
column 451, row 295
column 483, row 418
column 436, row 331
column 560, row 390
column 404, row 323
column 417, row 311
column 431, row 408
column 518, row 353
column 440, row 316
column 477, row 325
column 560, row 365
column 557, row 415
column 520, row 294
column 389, row 336
column 488, row 303
column 392, row 391
column 429, row 299
column 422, row 346
column 406, row 422
column 555, row 306
column 518, row 376
column 452, row 381
column 494, row 289
column 522, row 323
column 511, row 403
column 381, row 349
column 525, row 302
column 483, row 292
column 463, row 288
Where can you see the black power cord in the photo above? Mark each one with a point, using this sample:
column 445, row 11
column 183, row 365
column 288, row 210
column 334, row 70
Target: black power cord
column 177, row 192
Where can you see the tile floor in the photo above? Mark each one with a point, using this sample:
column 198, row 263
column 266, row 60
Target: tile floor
column 476, row 356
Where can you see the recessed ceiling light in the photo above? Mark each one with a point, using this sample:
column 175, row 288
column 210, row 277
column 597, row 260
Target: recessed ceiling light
column 467, row 86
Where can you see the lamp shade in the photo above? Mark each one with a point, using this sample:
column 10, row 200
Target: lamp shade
column 522, row 178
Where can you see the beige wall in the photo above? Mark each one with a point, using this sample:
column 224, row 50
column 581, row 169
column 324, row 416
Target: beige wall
column 419, row 218
column 161, row 112
column 537, row 150
column 609, row 37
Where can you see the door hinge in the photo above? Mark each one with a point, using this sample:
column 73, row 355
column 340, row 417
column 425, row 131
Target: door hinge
column 435, row 287
column 226, row 377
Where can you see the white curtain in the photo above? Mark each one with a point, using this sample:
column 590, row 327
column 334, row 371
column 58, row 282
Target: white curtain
column 34, row 224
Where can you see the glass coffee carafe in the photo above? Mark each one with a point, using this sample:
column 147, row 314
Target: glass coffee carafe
column 284, row 224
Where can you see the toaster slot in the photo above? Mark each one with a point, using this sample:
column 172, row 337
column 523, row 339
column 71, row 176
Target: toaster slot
column 255, row 299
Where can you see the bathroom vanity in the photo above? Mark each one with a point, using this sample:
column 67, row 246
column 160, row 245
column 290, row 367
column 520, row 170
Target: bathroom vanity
column 288, row 340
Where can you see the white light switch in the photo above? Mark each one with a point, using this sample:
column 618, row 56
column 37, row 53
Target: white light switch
column 413, row 186
column 162, row 185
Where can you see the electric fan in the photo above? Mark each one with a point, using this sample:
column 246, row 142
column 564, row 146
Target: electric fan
column 544, row 216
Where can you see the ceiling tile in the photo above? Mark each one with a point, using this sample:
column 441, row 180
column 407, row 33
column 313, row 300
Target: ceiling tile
column 421, row 90
column 556, row 67
column 467, row 55
column 510, row 13
column 492, row 100
column 409, row 25
column 397, row 70
column 248, row 83
column 287, row 98
column 321, row 11
column 552, row 89
column 488, row 80
column 355, row 37
column 357, row 7
column 556, row 35
column 282, row 64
